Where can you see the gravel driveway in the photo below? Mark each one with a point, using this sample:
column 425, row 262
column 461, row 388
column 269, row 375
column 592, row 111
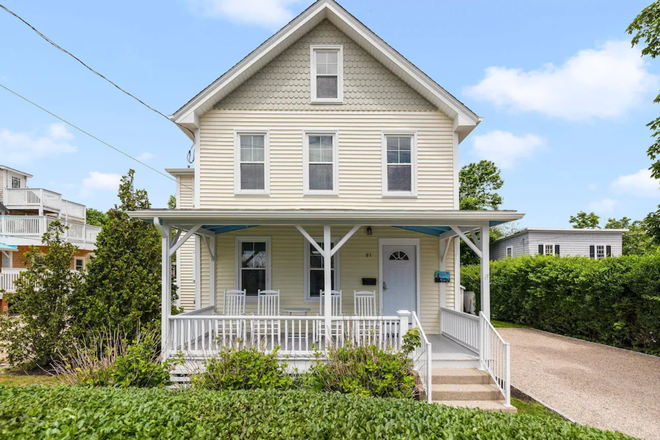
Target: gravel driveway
column 590, row 383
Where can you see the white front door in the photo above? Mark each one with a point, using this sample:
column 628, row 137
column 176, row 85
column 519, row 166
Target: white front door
column 399, row 279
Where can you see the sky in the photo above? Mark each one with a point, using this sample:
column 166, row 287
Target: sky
column 565, row 99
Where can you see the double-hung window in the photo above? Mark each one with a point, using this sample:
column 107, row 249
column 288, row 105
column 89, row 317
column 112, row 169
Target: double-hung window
column 79, row 264
column 314, row 274
column 320, row 154
column 327, row 74
column 399, row 165
column 509, row 251
column 15, row 182
column 600, row 251
column 253, row 264
column 252, row 163
column 549, row 249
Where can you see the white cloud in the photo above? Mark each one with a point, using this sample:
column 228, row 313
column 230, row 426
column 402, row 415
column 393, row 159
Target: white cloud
column 145, row 156
column 505, row 148
column 267, row 13
column 603, row 83
column 21, row 148
column 639, row 184
column 603, row 206
column 100, row 181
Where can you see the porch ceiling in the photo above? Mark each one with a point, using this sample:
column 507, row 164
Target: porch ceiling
column 426, row 222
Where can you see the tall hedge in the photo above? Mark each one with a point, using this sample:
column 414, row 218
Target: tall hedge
column 614, row 301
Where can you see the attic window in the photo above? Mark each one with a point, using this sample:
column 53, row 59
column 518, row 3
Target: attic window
column 327, row 74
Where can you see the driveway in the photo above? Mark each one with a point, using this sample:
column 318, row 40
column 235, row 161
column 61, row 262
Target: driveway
column 590, row 383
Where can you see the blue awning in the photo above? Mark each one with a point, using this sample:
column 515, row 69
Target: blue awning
column 8, row 247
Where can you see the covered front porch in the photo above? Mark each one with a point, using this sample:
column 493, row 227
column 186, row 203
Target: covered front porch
column 407, row 260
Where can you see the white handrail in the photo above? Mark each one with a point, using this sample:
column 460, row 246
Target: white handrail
column 423, row 360
column 460, row 327
column 495, row 357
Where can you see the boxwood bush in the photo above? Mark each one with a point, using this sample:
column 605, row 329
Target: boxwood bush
column 118, row 413
column 614, row 301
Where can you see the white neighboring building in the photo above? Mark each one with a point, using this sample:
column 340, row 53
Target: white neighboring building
column 593, row 243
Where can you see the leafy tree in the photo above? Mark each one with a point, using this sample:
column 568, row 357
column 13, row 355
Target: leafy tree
column 96, row 217
column 171, row 203
column 582, row 220
column 637, row 241
column 42, row 301
column 652, row 222
column 479, row 181
column 123, row 288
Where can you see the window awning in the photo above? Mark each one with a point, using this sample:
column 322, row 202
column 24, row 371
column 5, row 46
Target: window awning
column 8, row 247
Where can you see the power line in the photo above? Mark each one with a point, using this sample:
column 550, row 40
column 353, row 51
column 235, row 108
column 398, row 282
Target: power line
column 57, row 46
column 89, row 134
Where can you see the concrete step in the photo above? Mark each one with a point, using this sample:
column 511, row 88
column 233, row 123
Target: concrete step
column 485, row 405
column 460, row 376
column 466, row 392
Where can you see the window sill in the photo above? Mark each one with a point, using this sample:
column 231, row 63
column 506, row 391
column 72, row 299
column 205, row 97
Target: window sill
column 327, row 101
column 321, row 193
column 399, row 195
column 252, row 193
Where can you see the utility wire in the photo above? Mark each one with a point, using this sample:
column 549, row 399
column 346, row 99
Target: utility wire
column 90, row 135
column 57, row 46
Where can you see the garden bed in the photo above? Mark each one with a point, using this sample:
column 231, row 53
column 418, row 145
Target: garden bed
column 77, row 412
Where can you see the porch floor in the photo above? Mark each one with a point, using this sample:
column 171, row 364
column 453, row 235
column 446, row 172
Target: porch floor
column 446, row 349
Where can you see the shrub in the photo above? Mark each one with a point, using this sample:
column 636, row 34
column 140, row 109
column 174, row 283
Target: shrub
column 76, row 412
column 614, row 301
column 366, row 371
column 42, row 301
column 109, row 361
column 246, row 369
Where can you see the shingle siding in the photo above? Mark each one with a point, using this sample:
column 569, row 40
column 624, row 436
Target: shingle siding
column 571, row 243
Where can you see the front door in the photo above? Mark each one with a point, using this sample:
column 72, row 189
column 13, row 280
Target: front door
column 399, row 279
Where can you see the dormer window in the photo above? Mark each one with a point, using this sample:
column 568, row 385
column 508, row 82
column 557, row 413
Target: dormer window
column 327, row 74
column 15, row 182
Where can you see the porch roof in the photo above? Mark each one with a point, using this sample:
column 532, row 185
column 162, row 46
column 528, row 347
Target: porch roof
column 426, row 222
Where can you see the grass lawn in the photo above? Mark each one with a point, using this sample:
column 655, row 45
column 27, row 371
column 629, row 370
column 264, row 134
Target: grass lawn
column 13, row 379
column 504, row 324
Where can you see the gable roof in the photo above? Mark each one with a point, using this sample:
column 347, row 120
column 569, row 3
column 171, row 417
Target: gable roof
column 13, row 170
column 465, row 120
column 562, row 231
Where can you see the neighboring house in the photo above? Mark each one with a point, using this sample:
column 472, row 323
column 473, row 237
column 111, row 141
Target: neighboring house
column 25, row 214
column 325, row 160
column 593, row 243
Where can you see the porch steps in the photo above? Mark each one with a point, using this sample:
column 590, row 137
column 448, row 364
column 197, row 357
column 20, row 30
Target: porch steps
column 467, row 388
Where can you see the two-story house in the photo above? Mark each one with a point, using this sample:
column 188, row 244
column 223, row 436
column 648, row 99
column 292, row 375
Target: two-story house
column 25, row 214
column 325, row 161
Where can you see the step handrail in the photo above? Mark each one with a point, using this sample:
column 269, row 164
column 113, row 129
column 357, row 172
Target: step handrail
column 423, row 359
column 495, row 356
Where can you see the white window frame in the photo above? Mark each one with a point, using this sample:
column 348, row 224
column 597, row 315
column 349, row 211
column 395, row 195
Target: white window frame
column 75, row 259
column 10, row 257
column 413, row 164
column 19, row 182
column 307, row 268
column 335, row 163
column 596, row 251
column 509, row 251
column 237, row 162
column 340, row 74
column 269, row 263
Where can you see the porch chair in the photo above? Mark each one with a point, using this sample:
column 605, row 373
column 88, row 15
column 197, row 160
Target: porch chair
column 267, row 331
column 364, row 303
column 337, row 330
column 232, row 331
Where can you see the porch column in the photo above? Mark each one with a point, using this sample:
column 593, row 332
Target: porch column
column 197, row 271
column 212, row 270
column 485, row 271
column 166, row 281
column 327, row 287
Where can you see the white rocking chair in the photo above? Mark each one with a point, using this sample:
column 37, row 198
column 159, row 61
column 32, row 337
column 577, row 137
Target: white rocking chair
column 233, row 331
column 337, row 330
column 365, row 331
column 267, row 330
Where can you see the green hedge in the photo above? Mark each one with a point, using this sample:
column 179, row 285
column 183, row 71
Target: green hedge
column 108, row 413
column 614, row 301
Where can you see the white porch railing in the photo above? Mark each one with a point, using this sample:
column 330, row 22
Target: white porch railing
column 7, row 279
column 33, row 198
column 73, row 209
column 34, row 226
column 201, row 334
column 423, row 360
column 478, row 334
column 460, row 327
column 495, row 357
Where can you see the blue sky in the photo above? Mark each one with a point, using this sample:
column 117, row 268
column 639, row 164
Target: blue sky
column 564, row 99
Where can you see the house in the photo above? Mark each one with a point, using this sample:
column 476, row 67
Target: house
column 25, row 214
column 573, row 242
column 325, row 160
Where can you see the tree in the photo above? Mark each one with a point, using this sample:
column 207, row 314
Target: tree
column 171, row 203
column 96, row 217
column 582, row 220
column 637, row 241
column 645, row 30
column 478, row 183
column 123, row 287
column 42, row 300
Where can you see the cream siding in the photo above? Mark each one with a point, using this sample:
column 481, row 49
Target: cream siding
column 185, row 254
column 358, row 259
column 360, row 159
column 285, row 83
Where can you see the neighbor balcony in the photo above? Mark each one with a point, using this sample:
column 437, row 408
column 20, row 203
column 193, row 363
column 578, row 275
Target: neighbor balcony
column 43, row 201
column 28, row 229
